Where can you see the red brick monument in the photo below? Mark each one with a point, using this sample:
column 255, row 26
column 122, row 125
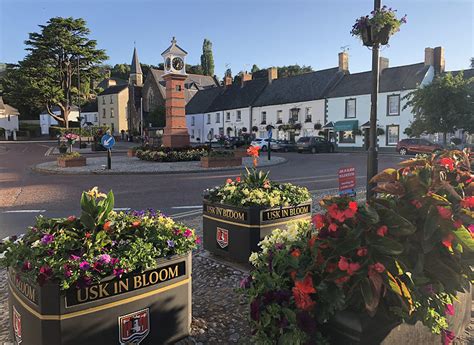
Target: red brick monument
column 176, row 132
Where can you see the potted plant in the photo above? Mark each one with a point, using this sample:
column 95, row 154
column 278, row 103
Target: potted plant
column 318, row 126
column 357, row 131
column 380, row 131
column 362, row 268
column 71, row 139
column 378, row 27
column 63, row 148
column 71, row 159
column 129, row 272
column 238, row 214
column 220, row 158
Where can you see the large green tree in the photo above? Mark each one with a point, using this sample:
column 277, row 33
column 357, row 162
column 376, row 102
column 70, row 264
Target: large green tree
column 58, row 55
column 443, row 106
column 207, row 60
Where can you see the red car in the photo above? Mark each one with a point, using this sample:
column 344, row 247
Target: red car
column 417, row 145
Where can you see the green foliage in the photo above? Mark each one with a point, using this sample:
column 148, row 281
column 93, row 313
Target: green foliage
column 79, row 251
column 254, row 69
column 164, row 154
column 157, row 117
column 442, row 106
column 207, row 60
column 292, row 70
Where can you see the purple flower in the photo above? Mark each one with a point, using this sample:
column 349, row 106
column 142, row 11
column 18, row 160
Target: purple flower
column 245, row 283
column 47, row 238
column 67, row 271
column 84, row 266
column 118, row 272
column 255, row 309
column 170, row 243
column 105, row 258
column 187, row 233
column 83, row 282
column 74, row 257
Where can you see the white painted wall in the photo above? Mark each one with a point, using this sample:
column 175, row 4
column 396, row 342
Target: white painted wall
column 10, row 124
column 196, row 129
column 92, row 117
column 47, row 120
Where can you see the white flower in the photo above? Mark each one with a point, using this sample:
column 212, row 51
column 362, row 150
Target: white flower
column 36, row 244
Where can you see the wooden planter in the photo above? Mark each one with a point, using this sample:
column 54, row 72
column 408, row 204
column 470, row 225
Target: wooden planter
column 218, row 162
column 154, row 306
column 131, row 152
column 240, row 152
column 234, row 232
column 71, row 162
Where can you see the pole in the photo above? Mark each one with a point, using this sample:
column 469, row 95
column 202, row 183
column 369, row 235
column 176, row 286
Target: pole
column 79, row 101
column 141, row 116
column 372, row 160
column 109, row 159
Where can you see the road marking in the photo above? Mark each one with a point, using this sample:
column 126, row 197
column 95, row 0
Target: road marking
column 178, row 207
column 122, row 209
column 185, row 214
column 49, row 151
column 25, row 211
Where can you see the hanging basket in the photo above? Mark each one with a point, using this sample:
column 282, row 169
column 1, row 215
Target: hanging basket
column 366, row 35
column 383, row 35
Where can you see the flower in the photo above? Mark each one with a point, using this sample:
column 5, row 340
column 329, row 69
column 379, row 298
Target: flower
column 468, row 202
column 377, row 267
column 449, row 309
column 303, row 300
column 382, row 231
column 87, row 235
column 94, row 193
column 444, row 212
column 311, row 241
column 187, row 233
column 118, row 272
column 107, row 226
column 343, row 264
column 228, row 181
column 471, row 229
column 44, row 274
column 47, row 239
column 237, row 179
column 136, row 224
column 71, row 218
column 296, row 253
column 362, row 251
column 252, row 151
column 198, row 240
column 448, row 337
column 447, row 162
column 170, row 243
column 342, row 280
column 332, row 227
column 318, row 221
column 84, row 265
column 26, row 266
column 417, row 203
column 353, row 267
column 245, row 283
column 447, row 241
column 67, row 270
column 105, row 258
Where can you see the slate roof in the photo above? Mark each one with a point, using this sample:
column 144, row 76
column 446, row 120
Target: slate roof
column 174, row 49
column 118, row 81
column 113, row 90
column 299, row 88
column 467, row 73
column 203, row 99
column 235, row 96
column 398, row 78
column 90, row 107
column 135, row 66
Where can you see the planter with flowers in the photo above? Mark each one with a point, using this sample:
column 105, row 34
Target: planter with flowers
column 71, row 159
column 238, row 214
column 378, row 27
column 103, row 278
column 361, row 269
column 220, row 158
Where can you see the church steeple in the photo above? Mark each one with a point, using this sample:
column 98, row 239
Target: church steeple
column 136, row 75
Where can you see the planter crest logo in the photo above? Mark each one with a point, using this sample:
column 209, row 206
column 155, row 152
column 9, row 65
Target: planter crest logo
column 17, row 325
column 222, row 237
column 134, row 327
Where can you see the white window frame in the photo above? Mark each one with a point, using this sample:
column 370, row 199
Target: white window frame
column 347, row 115
column 389, row 139
column 397, row 100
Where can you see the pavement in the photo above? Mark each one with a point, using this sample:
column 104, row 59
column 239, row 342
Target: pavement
column 132, row 165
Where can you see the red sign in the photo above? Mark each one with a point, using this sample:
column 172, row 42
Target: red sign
column 134, row 327
column 347, row 178
column 222, row 237
column 17, row 325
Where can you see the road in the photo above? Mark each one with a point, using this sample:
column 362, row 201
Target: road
column 25, row 194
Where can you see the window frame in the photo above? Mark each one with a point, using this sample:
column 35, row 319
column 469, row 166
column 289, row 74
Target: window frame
column 263, row 118
column 218, row 118
column 193, row 120
column 227, row 116
column 388, row 105
column 208, row 122
column 112, row 115
column 308, row 114
column 104, row 115
column 279, row 116
column 239, row 116
column 355, row 108
column 341, row 135
column 387, row 132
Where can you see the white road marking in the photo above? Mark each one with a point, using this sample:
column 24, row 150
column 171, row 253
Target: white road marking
column 178, row 207
column 121, row 208
column 49, row 151
column 25, row 211
column 185, row 214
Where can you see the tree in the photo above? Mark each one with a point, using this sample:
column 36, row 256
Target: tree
column 157, row 117
column 291, row 70
column 443, row 106
column 121, row 71
column 49, row 73
column 194, row 69
column 254, row 68
column 207, row 60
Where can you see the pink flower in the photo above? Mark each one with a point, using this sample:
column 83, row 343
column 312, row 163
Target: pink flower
column 382, row 231
column 448, row 337
column 471, row 229
column 114, row 261
column 67, row 271
column 118, row 272
column 444, row 212
column 353, row 267
column 343, row 264
column 105, row 258
column 26, row 266
column 449, row 309
column 74, row 257
column 362, row 251
column 333, row 227
column 198, row 240
column 187, row 233
column 84, row 266
column 377, row 267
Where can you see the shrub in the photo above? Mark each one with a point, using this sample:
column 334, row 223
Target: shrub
column 70, row 155
column 164, row 154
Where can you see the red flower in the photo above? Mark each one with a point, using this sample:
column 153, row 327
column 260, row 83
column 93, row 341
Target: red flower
column 296, row 253
column 311, row 241
column 136, row 224
column 353, row 205
column 382, row 231
column 237, row 179
column 71, row 218
column 293, row 275
column 333, row 227
column 378, row 267
column 331, row 267
column 87, row 235
column 468, row 202
column 252, row 151
column 335, row 213
column 447, row 163
column 448, row 337
column 340, row 281
column 303, row 301
column 318, row 221
column 228, row 181
column 449, row 309
column 447, row 241
column 353, row 267
column 108, row 226
column 320, row 258
column 362, row 251
column 306, row 285
column 444, row 212
column 416, row 203
column 343, row 264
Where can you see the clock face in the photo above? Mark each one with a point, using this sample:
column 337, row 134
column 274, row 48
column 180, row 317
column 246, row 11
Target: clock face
column 168, row 63
column 178, row 63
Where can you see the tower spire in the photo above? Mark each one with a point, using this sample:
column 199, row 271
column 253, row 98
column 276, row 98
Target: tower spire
column 136, row 75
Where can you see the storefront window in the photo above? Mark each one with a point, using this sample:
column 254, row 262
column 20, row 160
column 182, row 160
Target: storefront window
column 346, row 137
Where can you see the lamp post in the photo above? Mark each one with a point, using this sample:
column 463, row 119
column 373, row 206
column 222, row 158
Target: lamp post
column 372, row 160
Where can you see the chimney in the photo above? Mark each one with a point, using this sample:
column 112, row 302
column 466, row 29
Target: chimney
column 272, row 74
column 343, row 62
column 438, row 60
column 383, row 64
column 429, row 56
column 245, row 77
column 227, row 80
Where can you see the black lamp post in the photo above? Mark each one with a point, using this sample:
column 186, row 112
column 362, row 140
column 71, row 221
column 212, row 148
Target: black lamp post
column 372, row 159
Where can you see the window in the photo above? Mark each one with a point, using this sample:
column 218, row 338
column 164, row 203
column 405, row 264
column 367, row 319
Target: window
column 96, row 119
column 112, row 113
column 208, row 119
column 103, row 113
column 178, row 88
column 192, row 133
column 308, row 114
column 103, row 100
column 111, row 100
column 294, row 115
column 392, row 135
column 346, row 137
column 239, row 115
column 279, row 116
column 112, row 128
column 393, row 105
column 264, row 118
column 193, row 121
column 9, row 117
column 227, row 116
column 218, row 118
column 350, row 108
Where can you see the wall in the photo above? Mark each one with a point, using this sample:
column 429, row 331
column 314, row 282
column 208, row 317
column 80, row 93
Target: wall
column 196, row 131
column 118, row 102
column 47, row 120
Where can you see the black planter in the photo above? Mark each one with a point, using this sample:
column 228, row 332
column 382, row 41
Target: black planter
column 62, row 149
column 234, row 232
column 366, row 35
column 382, row 35
column 154, row 306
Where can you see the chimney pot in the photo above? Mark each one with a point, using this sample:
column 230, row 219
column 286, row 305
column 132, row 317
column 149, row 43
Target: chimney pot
column 227, row 80
column 343, row 62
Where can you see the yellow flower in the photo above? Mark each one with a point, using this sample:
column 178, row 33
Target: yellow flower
column 94, row 193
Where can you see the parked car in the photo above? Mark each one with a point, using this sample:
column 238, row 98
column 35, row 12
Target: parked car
column 234, row 142
column 284, row 146
column 314, row 145
column 262, row 143
column 417, row 145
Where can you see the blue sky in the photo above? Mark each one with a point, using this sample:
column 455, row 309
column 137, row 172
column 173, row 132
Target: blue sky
column 244, row 32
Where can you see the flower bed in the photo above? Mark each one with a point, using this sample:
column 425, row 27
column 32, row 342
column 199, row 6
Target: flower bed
column 164, row 154
column 404, row 257
column 71, row 159
column 68, row 274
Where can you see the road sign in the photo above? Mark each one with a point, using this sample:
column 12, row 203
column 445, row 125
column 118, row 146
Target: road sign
column 347, row 180
column 107, row 141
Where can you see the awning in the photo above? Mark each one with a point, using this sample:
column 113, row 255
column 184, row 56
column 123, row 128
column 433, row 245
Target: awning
column 365, row 125
column 347, row 125
column 329, row 125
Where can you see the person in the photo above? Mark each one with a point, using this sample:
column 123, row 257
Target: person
column 122, row 132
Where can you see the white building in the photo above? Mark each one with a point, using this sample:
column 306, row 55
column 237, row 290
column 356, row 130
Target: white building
column 90, row 114
column 47, row 120
column 8, row 120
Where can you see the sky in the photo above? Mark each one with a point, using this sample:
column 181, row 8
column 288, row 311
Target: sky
column 246, row 32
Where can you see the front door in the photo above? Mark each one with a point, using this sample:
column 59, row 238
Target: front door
column 292, row 137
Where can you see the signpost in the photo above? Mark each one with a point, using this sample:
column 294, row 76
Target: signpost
column 270, row 134
column 347, row 181
column 108, row 141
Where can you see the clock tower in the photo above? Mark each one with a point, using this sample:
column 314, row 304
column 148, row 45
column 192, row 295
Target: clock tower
column 176, row 132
